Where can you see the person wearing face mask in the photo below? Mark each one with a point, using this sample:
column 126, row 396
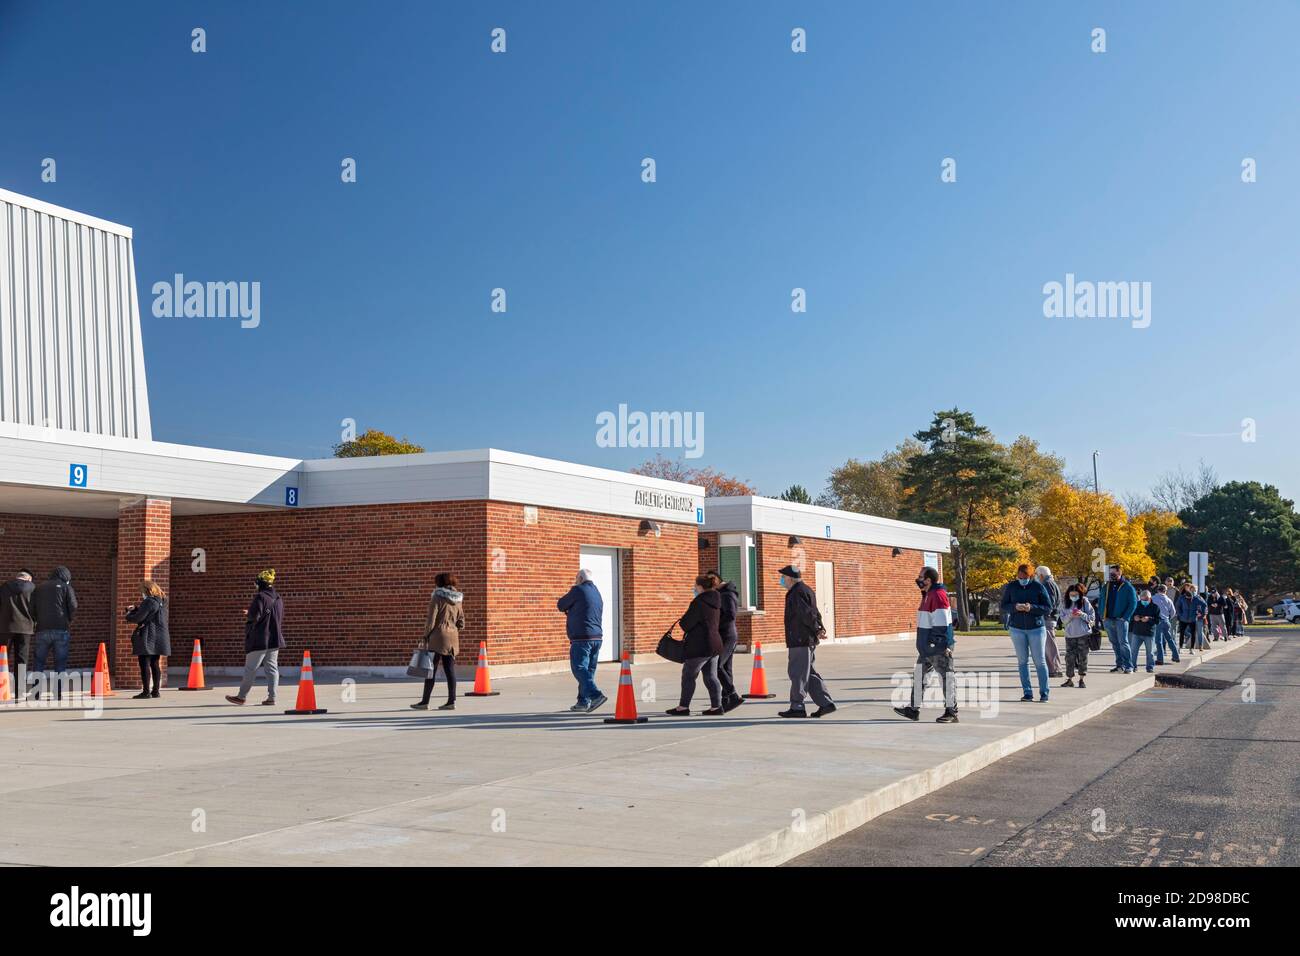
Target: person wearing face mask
column 730, row 597
column 1118, row 601
column 1217, row 605
column 1079, row 618
column 702, row 644
column 1025, row 604
column 934, row 643
column 263, row 639
column 1052, row 653
column 803, row 630
column 1165, row 629
column 1191, row 609
column 1142, row 630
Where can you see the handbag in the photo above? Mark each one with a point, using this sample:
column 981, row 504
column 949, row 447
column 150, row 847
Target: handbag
column 422, row 663
column 1094, row 641
column 670, row 648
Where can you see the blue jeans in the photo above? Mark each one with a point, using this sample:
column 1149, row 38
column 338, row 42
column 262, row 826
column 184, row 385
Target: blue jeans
column 1165, row 635
column 1136, row 640
column 46, row 641
column 1031, row 642
column 1117, row 634
column 583, row 655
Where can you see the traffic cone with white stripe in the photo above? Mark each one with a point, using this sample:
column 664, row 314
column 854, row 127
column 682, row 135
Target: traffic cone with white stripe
column 482, row 679
column 625, row 706
column 6, row 685
column 196, row 670
column 306, row 690
column 100, row 683
column 758, row 679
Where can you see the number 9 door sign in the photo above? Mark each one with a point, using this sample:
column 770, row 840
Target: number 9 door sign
column 77, row 475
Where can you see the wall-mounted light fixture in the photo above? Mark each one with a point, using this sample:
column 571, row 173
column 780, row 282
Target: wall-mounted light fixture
column 651, row 527
column 897, row 552
column 794, row 540
column 704, row 544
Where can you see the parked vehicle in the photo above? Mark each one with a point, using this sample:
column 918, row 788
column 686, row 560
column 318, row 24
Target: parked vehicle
column 1288, row 608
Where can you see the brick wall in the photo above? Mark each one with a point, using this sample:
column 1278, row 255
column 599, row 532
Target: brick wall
column 875, row 592
column 536, row 564
column 85, row 546
column 355, row 581
column 143, row 554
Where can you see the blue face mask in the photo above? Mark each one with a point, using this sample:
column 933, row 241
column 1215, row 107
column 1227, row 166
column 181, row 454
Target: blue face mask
column 1145, row 603
column 697, row 590
column 781, row 579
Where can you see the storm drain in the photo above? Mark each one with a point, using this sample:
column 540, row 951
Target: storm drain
column 1192, row 682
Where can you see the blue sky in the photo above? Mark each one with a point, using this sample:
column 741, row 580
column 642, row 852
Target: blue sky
column 775, row 170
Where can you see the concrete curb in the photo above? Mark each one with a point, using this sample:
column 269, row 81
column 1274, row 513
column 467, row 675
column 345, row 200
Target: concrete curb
column 785, row 844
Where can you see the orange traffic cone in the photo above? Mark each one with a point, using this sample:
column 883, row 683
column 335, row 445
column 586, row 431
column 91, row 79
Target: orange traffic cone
column 482, row 679
column 625, row 707
column 100, row 683
column 758, row 680
column 196, row 670
column 6, row 688
column 306, row 690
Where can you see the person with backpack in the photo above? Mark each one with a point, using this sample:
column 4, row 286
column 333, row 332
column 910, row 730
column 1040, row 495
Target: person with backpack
column 263, row 639
column 151, row 641
column 934, row 644
column 730, row 596
column 1080, row 619
column 442, row 627
column 702, row 643
column 803, row 631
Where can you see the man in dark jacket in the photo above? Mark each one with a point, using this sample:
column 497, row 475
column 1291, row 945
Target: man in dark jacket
column 263, row 638
column 727, row 629
column 1025, row 605
column 1116, row 603
column 584, row 610
column 934, row 644
column 17, row 625
column 803, row 627
column 54, row 604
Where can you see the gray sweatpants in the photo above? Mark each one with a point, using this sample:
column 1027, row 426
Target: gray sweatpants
column 252, row 661
column 691, row 668
column 804, row 679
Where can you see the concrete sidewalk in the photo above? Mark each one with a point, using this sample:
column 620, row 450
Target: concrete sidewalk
column 509, row 780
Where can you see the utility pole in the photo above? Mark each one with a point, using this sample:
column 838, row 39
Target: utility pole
column 1096, row 485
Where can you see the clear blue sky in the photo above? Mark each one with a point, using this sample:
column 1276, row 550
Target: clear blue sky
column 775, row 170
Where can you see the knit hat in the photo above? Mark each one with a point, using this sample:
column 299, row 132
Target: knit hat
column 791, row 572
column 267, row 576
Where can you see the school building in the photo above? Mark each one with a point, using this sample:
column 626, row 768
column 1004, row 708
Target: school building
column 356, row 542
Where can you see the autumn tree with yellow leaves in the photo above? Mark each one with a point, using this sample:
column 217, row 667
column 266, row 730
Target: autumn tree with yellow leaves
column 1078, row 532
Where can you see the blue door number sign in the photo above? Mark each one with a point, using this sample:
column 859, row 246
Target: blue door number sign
column 828, row 531
column 699, row 516
column 77, row 475
column 291, row 497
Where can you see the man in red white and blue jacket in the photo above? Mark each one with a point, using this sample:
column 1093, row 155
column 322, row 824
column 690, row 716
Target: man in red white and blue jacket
column 934, row 643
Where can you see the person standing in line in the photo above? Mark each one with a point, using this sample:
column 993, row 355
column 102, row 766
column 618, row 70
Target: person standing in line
column 151, row 640
column 730, row 637
column 1191, row 608
column 54, row 604
column 17, row 625
column 1051, row 653
column 1142, row 629
column 1079, row 618
column 1118, row 600
column 803, row 631
column 934, row 644
column 1025, row 604
column 1243, row 614
column 584, row 610
column 263, row 638
column 1165, row 628
column 702, row 643
column 442, row 627
column 1218, row 627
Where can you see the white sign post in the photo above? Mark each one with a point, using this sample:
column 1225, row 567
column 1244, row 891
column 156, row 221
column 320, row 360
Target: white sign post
column 1198, row 565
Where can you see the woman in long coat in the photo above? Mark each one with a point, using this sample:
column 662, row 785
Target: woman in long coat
column 703, row 644
column 151, row 640
column 442, row 627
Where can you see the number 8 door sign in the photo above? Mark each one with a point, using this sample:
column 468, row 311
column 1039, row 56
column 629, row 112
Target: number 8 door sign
column 77, row 475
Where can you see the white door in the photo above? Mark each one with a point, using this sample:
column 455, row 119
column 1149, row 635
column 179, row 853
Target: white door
column 602, row 563
column 826, row 595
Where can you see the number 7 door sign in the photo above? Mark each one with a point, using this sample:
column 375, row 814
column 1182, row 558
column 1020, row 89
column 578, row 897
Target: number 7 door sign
column 77, row 475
